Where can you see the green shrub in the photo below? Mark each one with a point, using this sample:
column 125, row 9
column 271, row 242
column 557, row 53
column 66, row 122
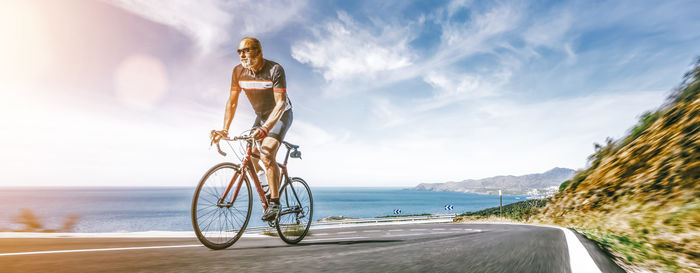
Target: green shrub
column 579, row 177
column 522, row 210
column 689, row 90
column 601, row 151
column 564, row 184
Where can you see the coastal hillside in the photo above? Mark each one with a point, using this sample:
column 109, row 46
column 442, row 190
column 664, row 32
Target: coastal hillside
column 640, row 196
column 531, row 184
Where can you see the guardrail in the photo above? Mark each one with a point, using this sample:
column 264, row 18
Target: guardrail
column 445, row 217
column 387, row 219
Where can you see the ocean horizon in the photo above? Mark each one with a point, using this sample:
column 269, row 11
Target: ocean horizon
column 133, row 209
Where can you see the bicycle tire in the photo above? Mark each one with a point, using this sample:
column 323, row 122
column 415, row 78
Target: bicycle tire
column 217, row 226
column 296, row 211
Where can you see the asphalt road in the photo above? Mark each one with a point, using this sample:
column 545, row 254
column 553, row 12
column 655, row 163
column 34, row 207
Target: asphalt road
column 445, row 247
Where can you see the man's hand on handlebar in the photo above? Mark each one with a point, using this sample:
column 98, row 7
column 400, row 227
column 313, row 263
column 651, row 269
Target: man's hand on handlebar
column 217, row 135
column 260, row 133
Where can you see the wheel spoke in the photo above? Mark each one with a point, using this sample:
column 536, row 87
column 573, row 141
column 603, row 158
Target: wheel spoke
column 209, row 213
column 219, row 225
column 295, row 216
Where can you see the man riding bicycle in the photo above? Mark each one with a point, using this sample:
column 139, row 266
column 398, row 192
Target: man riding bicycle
column 265, row 86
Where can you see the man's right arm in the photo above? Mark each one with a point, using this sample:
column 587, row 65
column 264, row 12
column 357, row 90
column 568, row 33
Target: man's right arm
column 231, row 105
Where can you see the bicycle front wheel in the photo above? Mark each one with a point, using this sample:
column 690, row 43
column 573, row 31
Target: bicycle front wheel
column 219, row 224
column 296, row 209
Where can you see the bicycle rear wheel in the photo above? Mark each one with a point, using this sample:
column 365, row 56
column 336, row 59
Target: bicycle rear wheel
column 220, row 224
column 296, row 209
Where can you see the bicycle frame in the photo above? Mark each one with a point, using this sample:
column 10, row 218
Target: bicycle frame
column 247, row 168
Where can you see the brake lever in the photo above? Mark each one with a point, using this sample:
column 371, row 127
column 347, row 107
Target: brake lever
column 218, row 147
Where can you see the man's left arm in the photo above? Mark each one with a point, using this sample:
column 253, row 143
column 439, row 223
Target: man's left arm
column 276, row 114
column 279, row 86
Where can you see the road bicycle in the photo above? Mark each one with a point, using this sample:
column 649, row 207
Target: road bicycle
column 222, row 202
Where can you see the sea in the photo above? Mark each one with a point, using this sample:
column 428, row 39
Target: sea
column 122, row 209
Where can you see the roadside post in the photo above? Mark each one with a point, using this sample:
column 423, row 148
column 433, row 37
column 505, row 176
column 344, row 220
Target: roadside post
column 500, row 204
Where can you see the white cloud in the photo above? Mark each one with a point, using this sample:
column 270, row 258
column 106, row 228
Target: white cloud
column 310, row 133
column 552, row 31
column 347, row 50
column 209, row 23
column 266, row 16
column 457, row 5
column 466, row 38
column 549, row 31
column 572, row 56
column 493, row 137
column 204, row 22
column 453, row 87
column 355, row 57
column 387, row 114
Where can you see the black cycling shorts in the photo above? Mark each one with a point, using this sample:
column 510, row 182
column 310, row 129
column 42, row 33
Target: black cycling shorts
column 280, row 129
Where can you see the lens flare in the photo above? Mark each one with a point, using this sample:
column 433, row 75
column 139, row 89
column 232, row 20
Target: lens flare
column 26, row 51
column 141, row 81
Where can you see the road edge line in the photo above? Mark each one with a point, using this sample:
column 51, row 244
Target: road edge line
column 93, row 250
column 579, row 258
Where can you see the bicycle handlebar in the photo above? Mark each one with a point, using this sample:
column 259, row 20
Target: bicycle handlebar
column 251, row 138
column 236, row 138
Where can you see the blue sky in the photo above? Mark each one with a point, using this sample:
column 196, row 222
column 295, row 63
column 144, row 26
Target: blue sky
column 385, row 93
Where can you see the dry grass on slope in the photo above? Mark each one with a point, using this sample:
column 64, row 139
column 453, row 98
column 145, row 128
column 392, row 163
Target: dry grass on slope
column 641, row 197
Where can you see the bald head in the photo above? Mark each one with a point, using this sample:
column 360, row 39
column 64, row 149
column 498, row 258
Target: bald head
column 250, row 41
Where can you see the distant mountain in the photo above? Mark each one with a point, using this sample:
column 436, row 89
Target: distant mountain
column 531, row 184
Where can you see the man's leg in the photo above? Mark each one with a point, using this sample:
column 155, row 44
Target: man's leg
column 270, row 145
column 256, row 162
column 268, row 156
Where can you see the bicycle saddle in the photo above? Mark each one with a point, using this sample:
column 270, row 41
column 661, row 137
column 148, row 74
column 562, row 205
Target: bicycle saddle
column 290, row 145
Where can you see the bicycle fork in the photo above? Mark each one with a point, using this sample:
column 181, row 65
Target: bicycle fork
column 238, row 180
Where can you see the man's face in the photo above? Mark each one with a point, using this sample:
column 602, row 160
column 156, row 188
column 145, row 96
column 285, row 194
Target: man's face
column 249, row 53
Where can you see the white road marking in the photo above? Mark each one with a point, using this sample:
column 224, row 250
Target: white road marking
column 347, row 232
column 438, row 229
column 408, row 234
column 320, row 234
column 374, row 230
column 94, row 250
column 418, row 229
column 330, row 239
column 579, row 259
column 441, row 232
column 395, row 230
column 382, row 249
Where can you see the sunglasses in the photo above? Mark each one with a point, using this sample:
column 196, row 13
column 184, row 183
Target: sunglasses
column 246, row 50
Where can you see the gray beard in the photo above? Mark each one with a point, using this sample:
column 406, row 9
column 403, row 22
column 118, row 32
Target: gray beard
column 250, row 64
column 247, row 65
